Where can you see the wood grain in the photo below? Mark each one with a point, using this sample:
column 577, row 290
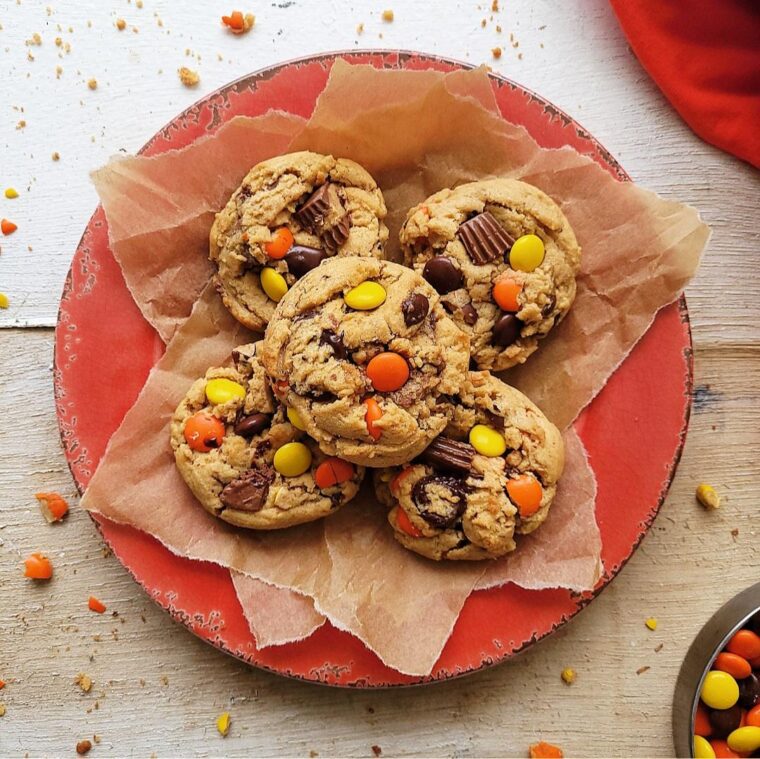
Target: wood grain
column 159, row 689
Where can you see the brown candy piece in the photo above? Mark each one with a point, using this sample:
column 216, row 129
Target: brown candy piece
column 441, row 273
column 415, row 308
column 484, row 238
column 453, row 509
column 335, row 341
column 469, row 314
column 302, row 259
column 251, row 425
column 445, row 453
column 316, row 213
column 249, row 491
column 506, row 330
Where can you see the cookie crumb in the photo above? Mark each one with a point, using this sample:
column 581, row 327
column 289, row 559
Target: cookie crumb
column 651, row 623
column 96, row 739
column 188, row 77
column 708, row 496
column 83, row 747
column 568, row 675
column 121, row 24
column 360, row 28
column 496, row 52
column 92, row 84
column 2, row 710
column 642, row 670
column 388, row 15
column 56, row 156
column 21, row 124
column 58, row 71
column 735, row 533
column 482, row 23
column 139, row 4
column 659, row 647
column 84, row 682
column 376, row 750
column 35, row 39
column 495, row 6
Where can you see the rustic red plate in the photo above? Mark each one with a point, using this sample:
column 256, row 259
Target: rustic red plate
column 634, row 430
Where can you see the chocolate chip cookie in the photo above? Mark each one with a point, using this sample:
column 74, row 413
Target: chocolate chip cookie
column 365, row 353
column 491, row 476
column 288, row 215
column 245, row 456
column 503, row 257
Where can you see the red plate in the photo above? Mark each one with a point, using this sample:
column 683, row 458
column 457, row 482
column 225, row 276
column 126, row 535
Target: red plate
column 634, row 430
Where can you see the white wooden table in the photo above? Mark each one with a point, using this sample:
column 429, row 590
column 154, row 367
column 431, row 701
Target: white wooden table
column 156, row 687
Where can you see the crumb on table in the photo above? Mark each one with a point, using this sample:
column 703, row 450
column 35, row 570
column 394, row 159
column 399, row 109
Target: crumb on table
column 388, row 15
column 188, row 77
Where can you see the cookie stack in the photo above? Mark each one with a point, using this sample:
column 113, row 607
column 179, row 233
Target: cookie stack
column 370, row 363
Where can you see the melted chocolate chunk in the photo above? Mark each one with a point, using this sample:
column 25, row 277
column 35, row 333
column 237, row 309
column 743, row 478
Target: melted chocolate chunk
column 320, row 397
column 469, row 314
column 313, row 215
column 249, row 491
column 445, row 453
column 506, row 330
column 454, row 485
column 302, row 259
column 549, row 306
column 484, row 239
column 415, row 308
column 251, row 425
column 442, row 274
column 335, row 341
column 211, row 442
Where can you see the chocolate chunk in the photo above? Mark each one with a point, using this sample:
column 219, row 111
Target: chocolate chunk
column 725, row 721
column 506, row 330
column 484, row 239
column 333, row 237
column 448, row 306
column 328, row 337
column 251, row 425
column 549, row 306
column 320, row 397
column 749, row 691
column 442, row 274
column 302, row 259
column 469, row 314
column 445, row 453
column 314, row 215
column 243, row 355
column 211, row 442
column 249, row 491
column 313, row 212
column 454, row 510
column 415, row 308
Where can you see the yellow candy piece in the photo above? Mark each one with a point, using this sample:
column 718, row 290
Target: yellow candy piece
column 222, row 390
column 527, row 253
column 366, row 296
column 10, row 193
column 702, row 748
column 487, row 441
column 273, row 284
column 744, row 739
column 719, row 690
column 292, row 459
column 295, row 419
column 4, row 302
column 223, row 723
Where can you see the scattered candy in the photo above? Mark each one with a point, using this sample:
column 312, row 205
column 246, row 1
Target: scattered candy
column 83, row 747
column 544, row 750
column 702, row 748
column 527, row 253
column 745, row 643
column 38, row 567
column 722, row 751
column 94, row 605
column 333, row 471
column 526, row 493
column 415, row 308
column 238, row 23
column 505, row 293
column 753, row 716
column 295, row 419
column 10, row 193
column 222, row 390
column 725, row 721
column 736, row 666
column 441, row 273
column 651, row 623
column 405, row 525
column 7, row 227
column 273, row 284
column 744, row 739
column 4, row 302
column 53, row 506
column 223, row 723
column 371, row 415
column 292, row 459
column 707, row 496
column 280, row 244
column 251, row 425
column 719, row 690
column 487, row 441
column 203, row 432
column 506, row 330
column 302, row 259
column 702, row 724
column 568, row 675
column 388, row 371
column 366, row 296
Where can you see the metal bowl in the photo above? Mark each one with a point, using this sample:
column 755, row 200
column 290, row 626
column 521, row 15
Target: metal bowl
column 699, row 658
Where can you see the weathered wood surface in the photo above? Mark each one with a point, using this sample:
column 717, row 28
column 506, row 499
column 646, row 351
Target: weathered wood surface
column 157, row 688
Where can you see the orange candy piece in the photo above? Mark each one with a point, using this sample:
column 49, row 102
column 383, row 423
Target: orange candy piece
column 372, row 414
column 505, row 293
column 405, row 525
column 38, row 567
column 388, row 371
column 280, row 244
column 736, row 666
column 702, row 724
column 396, row 481
column 544, row 750
column 333, row 471
column 7, row 227
column 753, row 716
column 94, row 605
column 53, row 506
column 722, row 751
column 745, row 643
column 235, row 20
column 204, row 432
column 526, row 493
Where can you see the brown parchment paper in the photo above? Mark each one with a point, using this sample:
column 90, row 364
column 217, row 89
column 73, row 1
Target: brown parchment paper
column 416, row 133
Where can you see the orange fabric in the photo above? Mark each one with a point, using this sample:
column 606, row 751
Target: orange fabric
column 705, row 56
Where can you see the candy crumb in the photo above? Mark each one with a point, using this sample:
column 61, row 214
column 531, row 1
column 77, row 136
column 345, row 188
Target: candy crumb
column 84, row 682
column 376, row 750
column 708, row 496
column 496, row 52
column 4, row 302
column 544, row 750
column 223, row 723
column 56, row 156
column 7, row 227
column 188, row 77
column 10, row 193
column 53, row 506
column 2, row 710
column 94, row 605
column 83, row 747
column 92, row 84
column 388, row 15
column 121, row 24
column 239, row 23
column 2, row 684
column 651, row 623
column 568, row 675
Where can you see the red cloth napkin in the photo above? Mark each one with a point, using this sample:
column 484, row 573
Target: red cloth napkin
column 705, row 56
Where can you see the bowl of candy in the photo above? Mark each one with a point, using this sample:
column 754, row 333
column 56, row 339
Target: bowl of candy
column 716, row 705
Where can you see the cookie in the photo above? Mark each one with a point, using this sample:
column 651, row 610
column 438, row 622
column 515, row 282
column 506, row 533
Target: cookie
column 490, row 477
column 246, row 458
column 289, row 214
column 365, row 353
column 504, row 259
